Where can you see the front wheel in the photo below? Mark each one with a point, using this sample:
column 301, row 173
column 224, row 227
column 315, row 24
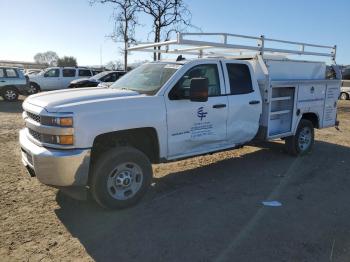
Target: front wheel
column 120, row 177
column 33, row 89
column 302, row 142
column 10, row 94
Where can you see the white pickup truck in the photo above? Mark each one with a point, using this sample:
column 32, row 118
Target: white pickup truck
column 105, row 139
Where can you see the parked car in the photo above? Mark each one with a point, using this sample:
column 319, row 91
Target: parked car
column 345, row 84
column 57, row 78
column 12, row 83
column 108, row 77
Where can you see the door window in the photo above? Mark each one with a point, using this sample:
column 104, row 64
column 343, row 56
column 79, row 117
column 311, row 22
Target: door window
column 210, row 71
column 240, row 79
column 112, row 77
column 84, row 72
column 1, row 72
column 10, row 73
column 68, row 72
column 52, row 73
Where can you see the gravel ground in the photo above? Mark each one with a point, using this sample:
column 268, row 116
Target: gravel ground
column 201, row 209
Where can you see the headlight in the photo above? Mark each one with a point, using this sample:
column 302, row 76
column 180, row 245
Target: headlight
column 63, row 121
column 57, row 121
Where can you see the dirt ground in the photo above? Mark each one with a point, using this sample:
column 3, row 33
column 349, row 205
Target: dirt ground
column 201, row 209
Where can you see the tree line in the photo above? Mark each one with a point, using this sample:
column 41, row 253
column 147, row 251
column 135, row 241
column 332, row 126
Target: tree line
column 50, row 58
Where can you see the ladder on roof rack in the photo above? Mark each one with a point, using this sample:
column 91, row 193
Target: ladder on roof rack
column 200, row 48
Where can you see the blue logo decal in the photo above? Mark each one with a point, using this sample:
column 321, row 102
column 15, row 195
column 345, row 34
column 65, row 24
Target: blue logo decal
column 201, row 114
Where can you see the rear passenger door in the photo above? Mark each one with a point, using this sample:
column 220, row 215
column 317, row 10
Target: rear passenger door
column 10, row 77
column 68, row 75
column 244, row 102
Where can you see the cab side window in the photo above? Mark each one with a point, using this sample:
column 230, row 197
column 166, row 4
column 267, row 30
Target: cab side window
column 209, row 71
column 68, row 72
column 240, row 79
column 2, row 73
column 112, row 77
column 346, row 74
column 52, row 73
column 84, row 72
column 10, row 73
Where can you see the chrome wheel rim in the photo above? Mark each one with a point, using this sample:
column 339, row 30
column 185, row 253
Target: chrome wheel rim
column 32, row 90
column 124, row 181
column 343, row 96
column 305, row 137
column 10, row 94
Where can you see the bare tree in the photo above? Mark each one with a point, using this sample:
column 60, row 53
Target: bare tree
column 168, row 16
column 125, row 21
column 48, row 58
column 114, row 65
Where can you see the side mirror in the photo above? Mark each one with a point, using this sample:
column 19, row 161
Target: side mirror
column 199, row 89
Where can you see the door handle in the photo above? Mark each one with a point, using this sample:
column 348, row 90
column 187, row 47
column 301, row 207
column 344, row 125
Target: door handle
column 254, row 102
column 2, row 81
column 219, row 106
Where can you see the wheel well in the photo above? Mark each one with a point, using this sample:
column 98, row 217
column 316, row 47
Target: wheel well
column 8, row 86
column 143, row 139
column 312, row 117
column 31, row 82
column 347, row 94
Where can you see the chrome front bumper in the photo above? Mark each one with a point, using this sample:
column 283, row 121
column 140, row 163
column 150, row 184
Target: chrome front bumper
column 55, row 167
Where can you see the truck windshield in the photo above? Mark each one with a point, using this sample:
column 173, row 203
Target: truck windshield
column 147, row 78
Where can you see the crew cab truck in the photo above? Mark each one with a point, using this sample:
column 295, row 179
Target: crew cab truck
column 105, row 139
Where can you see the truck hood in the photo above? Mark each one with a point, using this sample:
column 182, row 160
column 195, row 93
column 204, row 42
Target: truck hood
column 55, row 101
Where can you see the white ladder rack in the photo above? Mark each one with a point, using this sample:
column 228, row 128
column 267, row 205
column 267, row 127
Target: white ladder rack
column 225, row 46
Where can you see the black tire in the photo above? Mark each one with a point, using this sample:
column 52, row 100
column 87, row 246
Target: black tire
column 33, row 88
column 294, row 143
column 344, row 96
column 106, row 170
column 10, row 94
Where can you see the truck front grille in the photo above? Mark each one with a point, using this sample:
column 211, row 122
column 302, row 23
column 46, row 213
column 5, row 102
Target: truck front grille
column 34, row 117
column 43, row 138
column 35, row 135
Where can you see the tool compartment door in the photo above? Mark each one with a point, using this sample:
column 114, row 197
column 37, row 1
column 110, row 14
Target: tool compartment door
column 330, row 105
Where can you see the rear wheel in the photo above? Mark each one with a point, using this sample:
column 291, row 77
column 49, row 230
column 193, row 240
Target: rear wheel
column 120, row 177
column 10, row 94
column 33, row 89
column 344, row 96
column 302, row 142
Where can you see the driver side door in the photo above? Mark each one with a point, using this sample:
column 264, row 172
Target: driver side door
column 52, row 80
column 197, row 127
